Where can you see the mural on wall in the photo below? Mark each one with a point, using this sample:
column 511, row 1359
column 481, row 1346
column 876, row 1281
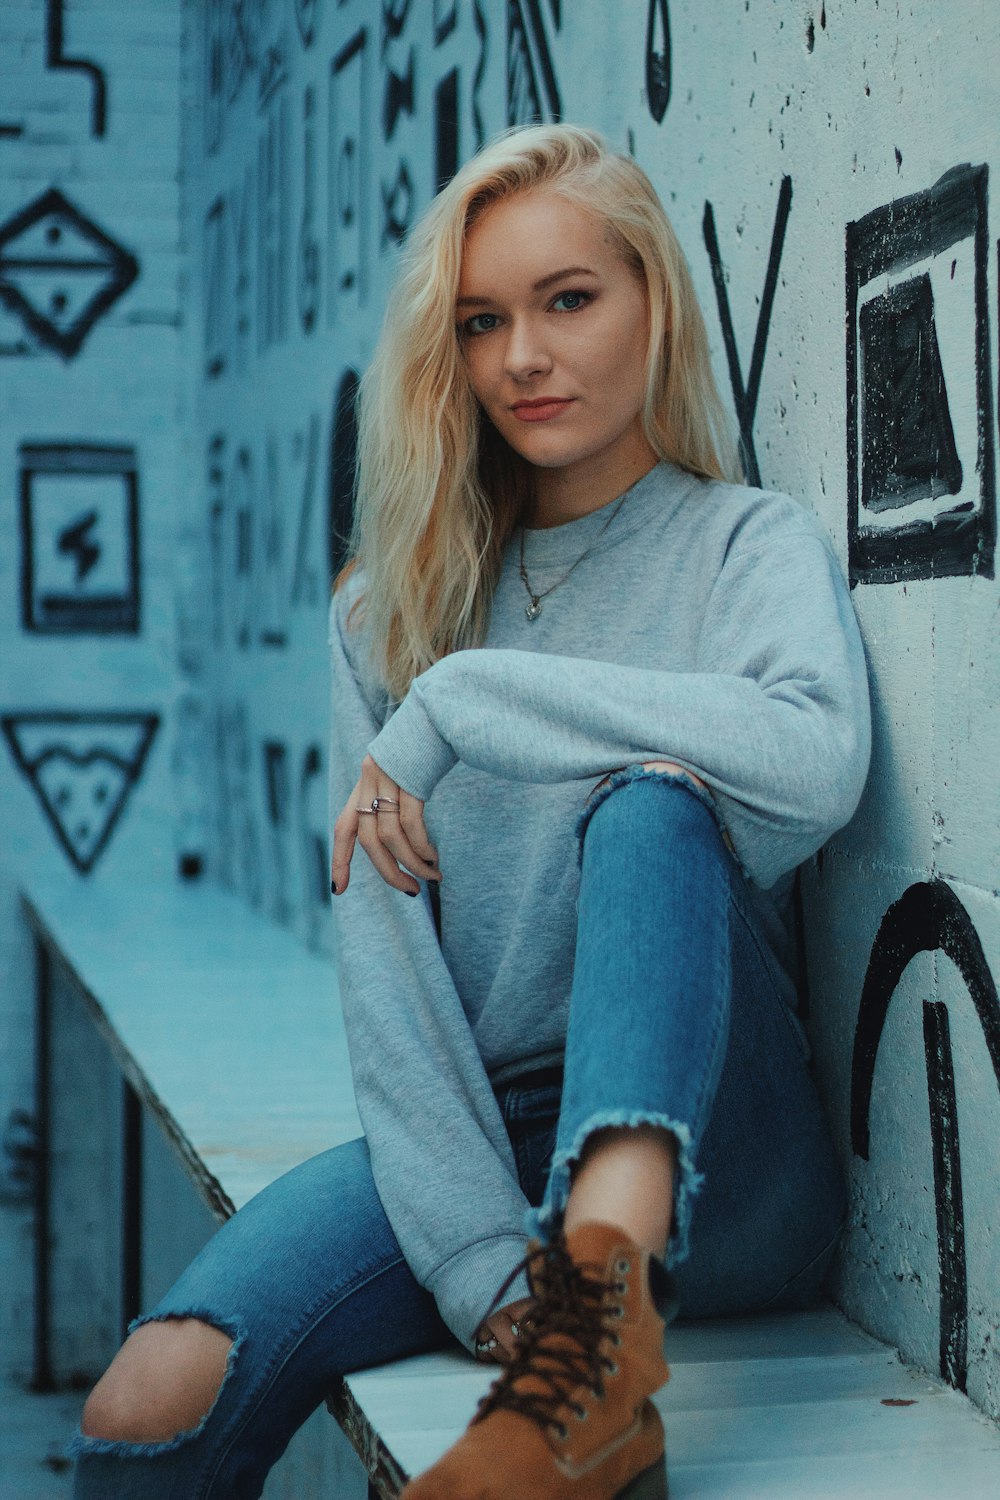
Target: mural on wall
column 314, row 845
column 482, row 62
column 920, row 440
column 746, row 393
column 307, row 18
column 82, row 766
column 305, row 588
column 398, row 197
column 277, row 805
column 56, row 59
column 658, row 62
column 447, row 146
column 216, row 289
column 532, row 88
column 59, row 272
column 309, row 251
column 237, row 838
column 340, row 485
column 349, row 174
column 80, row 570
column 930, row 918
column 273, row 226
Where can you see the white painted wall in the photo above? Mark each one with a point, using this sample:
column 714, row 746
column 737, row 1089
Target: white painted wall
column 849, row 108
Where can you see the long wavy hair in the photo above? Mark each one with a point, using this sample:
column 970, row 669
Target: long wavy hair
column 439, row 492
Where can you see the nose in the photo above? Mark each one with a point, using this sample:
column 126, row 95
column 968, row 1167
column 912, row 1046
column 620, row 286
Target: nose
column 526, row 353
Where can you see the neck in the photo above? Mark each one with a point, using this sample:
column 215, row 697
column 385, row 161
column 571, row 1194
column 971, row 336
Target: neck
column 566, row 494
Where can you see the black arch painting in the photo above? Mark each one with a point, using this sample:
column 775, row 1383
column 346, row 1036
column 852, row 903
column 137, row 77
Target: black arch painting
column 343, row 450
column 929, row 917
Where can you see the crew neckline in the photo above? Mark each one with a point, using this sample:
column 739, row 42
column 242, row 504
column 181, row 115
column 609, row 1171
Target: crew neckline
column 663, row 486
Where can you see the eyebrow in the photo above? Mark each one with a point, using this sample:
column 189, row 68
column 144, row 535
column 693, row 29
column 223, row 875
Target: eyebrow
column 538, row 286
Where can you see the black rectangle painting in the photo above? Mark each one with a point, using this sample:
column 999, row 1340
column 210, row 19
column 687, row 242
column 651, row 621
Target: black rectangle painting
column 79, row 539
column 920, row 442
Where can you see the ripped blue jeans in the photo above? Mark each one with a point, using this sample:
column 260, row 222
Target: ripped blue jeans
column 680, row 1016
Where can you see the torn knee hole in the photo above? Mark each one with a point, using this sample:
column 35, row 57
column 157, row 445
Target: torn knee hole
column 162, row 1384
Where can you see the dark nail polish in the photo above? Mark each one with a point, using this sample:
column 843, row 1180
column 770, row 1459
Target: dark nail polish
column 333, row 888
column 413, row 893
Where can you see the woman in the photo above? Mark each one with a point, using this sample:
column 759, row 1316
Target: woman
column 581, row 1029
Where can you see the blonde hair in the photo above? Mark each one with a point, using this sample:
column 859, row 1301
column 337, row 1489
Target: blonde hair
column 439, row 492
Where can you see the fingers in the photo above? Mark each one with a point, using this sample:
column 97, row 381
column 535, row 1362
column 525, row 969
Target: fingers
column 384, row 836
column 345, row 833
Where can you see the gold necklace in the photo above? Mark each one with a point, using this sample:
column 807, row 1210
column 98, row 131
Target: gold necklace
column 534, row 609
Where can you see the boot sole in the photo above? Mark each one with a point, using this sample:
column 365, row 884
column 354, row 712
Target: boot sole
column 651, row 1484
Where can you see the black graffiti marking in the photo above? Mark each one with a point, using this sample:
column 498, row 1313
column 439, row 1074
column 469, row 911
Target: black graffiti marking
column 929, row 918
column 532, row 90
column 658, row 71
column 446, row 129
column 309, row 250
column 909, row 448
column 395, row 14
column 445, row 19
column 341, row 478
column 241, row 507
column 79, row 517
column 273, row 73
column 57, row 61
column 307, row 20
column 745, row 396
column 273, row 235
column 305, row 583
column 277, row 800
column 10, row 130
column 555, row 6
column 397, row 207
column 313, row 843
column 216, row 477
column 241, row 217
column 348, row 179
column 241, row 46
column 399, row 96
column 216, row 289
column 82, row 766
column 949, row 1208
column 269, row 583
column 60, row 273
column 901, row 445
column 214, row 77
column 77, row 541
column 482, row 32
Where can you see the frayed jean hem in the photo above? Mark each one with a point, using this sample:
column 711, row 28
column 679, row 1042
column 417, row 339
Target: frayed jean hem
column 81, row 1443
column 540, row 1223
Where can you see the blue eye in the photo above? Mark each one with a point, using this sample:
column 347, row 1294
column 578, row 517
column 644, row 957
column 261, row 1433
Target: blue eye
column 470, row 324
column 577, row 300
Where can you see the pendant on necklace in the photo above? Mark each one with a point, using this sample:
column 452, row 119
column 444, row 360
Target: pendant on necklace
column 533, row 610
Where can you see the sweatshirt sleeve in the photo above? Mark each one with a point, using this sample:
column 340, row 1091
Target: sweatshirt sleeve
column 440, row 1154
column 775, row 717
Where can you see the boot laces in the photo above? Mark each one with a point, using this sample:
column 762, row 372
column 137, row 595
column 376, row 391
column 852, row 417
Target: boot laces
column 570, row 1303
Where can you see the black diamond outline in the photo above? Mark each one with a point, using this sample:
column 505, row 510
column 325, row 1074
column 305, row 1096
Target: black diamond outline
column 121, row 263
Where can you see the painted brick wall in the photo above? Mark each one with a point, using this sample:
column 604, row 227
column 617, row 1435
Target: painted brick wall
column 91, row 412
column 827, row 169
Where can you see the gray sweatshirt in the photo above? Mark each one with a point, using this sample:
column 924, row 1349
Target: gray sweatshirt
column 710, row 625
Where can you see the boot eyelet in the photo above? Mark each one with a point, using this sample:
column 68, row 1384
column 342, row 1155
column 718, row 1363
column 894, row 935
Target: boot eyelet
column 616, row 1340
column 617, row 1311
column 562, row 1431
column 580, row 1412
column 611, row 1367
column 623, row 1266
column 621, row 1286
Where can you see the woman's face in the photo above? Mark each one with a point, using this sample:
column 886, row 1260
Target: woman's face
column 553, row 326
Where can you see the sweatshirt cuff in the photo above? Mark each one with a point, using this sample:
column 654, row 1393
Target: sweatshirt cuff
column 411, row 751
column 465, row 1285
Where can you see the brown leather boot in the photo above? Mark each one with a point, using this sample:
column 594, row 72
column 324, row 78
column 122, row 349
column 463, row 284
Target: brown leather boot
column 570, row 1418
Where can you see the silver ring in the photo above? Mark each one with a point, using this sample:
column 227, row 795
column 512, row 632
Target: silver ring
column 378, row 803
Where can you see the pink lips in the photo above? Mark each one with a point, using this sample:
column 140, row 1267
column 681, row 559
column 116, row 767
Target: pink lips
column 542, row 409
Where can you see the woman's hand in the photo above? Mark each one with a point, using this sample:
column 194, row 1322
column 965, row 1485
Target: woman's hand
column 503, row 1327
column 393, row 836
